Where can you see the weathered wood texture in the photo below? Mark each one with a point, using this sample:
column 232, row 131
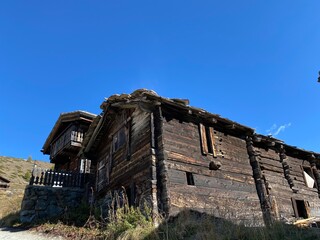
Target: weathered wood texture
column 71, row 165
column 228, row 192
column 130, row 165
column 284, row 179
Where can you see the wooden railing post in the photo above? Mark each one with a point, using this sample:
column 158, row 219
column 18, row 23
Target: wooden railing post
column 31, row 179
column 41, row 177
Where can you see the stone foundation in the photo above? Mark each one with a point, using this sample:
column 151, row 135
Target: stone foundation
column 41, row 203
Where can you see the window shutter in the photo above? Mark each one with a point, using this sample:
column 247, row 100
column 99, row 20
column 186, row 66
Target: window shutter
column 129, row 140
column 88, row 165
column 213, row 142
column 101, row 174
column 203, row 137
column 306, row 205
column 295, row 208
column 82, row 166
column 108, row 159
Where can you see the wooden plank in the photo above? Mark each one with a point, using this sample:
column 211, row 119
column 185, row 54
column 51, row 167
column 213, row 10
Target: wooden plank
column 227, row 166
column 203, row 137
column 212, row 137
column 211, row 193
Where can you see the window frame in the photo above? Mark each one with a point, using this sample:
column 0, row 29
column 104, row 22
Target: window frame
column 298, row 211
column 190, row 178
column 119, row 138
column 207, row 140
column 309, row 170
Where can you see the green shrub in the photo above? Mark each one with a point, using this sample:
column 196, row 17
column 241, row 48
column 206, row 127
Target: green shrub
column 27, row 175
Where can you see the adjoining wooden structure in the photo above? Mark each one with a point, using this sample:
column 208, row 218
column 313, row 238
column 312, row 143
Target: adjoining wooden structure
column 4, row 183
column 65, row 140
column 176, row 156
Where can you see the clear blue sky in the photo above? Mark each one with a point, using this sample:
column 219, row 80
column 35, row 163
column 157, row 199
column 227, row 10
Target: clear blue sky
column 254, row 62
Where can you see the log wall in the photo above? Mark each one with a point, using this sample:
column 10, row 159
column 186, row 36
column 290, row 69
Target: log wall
column 130, row 165
column 284, row 181
column 228, row 192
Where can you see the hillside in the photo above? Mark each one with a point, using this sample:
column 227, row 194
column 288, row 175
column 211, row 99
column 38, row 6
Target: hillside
column 18, row 171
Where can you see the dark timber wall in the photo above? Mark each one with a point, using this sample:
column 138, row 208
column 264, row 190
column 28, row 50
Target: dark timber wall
column 285, row 183
column 228, row 192
column 130, row 165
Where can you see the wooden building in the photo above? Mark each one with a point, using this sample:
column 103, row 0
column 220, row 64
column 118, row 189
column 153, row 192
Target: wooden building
column 179, row 157
column 4, row 183
column 65, row 140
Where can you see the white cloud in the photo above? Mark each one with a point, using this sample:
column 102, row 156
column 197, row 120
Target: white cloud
column 274, row 130
column 270, row 130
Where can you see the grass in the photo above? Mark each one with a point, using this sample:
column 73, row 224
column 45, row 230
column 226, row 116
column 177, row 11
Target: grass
column 17, row 171
column 131, row 224
column 128, row 223
column 10, row 208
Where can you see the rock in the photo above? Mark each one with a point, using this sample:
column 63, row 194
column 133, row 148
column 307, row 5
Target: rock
column 54, row 211
column 44, row 197
column 27, row 204
column 41, row 205
column 43, row 215
column 27, row 216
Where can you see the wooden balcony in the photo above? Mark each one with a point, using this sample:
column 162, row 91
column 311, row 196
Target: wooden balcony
column 68, row 142
column 45, row 177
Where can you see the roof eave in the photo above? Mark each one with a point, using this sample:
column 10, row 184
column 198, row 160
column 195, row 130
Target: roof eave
column 66, row 117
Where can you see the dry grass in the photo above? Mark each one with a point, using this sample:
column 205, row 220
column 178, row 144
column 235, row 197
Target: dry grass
column 133, row 225
column 17, row 171
column 128, row 223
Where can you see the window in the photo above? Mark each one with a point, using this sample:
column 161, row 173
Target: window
column 207, row 140
column 119, row 139
column 190, row 179
column 85, row 165
column 300, row 208
column 309, row 177
column 101, row 174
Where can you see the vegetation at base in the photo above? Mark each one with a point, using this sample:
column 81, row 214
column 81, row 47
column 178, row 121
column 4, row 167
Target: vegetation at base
column 128, row 223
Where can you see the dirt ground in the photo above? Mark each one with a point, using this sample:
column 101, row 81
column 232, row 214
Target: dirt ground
column 19, row 234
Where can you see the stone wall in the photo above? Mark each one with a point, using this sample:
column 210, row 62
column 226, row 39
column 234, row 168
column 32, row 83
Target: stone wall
column 41, row 203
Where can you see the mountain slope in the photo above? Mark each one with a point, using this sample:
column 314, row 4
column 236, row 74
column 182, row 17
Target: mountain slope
column 18, row 172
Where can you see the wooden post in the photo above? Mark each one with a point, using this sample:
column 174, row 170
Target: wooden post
column 31, row 179
column 160, row 164
column 41, row 177
column 260, row 183
column 285, row 166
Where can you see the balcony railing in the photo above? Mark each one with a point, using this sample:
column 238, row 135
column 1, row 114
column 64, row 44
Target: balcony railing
column 44, row 177
column 71, row 138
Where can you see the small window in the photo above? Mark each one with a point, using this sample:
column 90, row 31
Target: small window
column 207, row 140
column 300, row 208
column 190, row 179
column 119, row 139
column 309, row 177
